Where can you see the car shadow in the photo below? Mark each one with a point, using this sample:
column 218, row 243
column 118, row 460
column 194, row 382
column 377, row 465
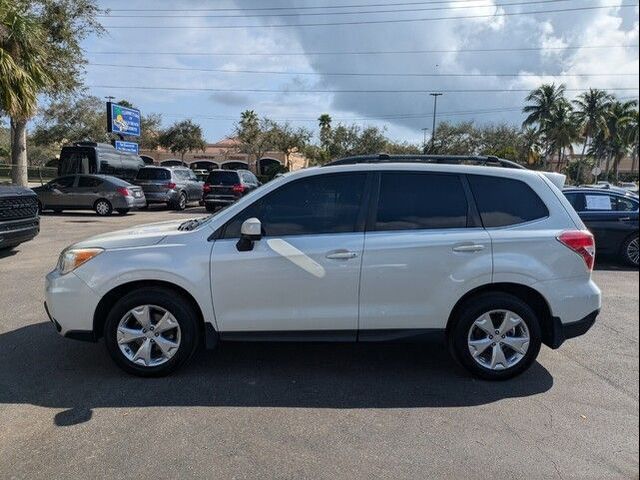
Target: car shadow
column 39, row 368
column 610, row 264
column 8, row 252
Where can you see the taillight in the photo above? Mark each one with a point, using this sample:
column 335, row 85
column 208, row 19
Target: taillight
column 581, row 242
column 124, row 191
column 206, row 188
column 238, row 188
column 170, row 185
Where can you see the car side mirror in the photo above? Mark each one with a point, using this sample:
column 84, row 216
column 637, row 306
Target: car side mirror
column 250, row 231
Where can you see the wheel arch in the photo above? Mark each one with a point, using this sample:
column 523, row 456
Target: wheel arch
column 527, row 294
column 110, row 298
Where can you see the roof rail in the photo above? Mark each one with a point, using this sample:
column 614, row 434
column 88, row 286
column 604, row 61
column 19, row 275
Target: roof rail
column 443, row 159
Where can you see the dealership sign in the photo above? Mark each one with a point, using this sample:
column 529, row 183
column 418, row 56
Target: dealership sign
column 129, row 147
column 123, row 120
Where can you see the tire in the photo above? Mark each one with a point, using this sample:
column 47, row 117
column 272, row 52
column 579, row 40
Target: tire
column 465, row 330
column 123, row 211
column 181, row 203
column 210, row 207
column 103, row 207
column 629, row 251
column 160, row 300
column 39, row 207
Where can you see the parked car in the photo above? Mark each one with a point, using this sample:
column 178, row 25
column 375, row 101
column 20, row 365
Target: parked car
column 101, row 193
column 98, row 158
column 493, row 261
column 174, row 186
column 19, row 220
column 224, row 187
column 629, row 187
column 612, row 217
column 173, row 163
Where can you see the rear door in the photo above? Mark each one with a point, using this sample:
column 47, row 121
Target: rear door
column 60, row 194
column 424, row 248
column 87, row 191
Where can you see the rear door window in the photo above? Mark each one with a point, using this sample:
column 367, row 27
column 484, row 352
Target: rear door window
column 599, row 203
column 63, row 182
column 420, row 201
column 504, row 201
column 89, row 182
column 576, row 200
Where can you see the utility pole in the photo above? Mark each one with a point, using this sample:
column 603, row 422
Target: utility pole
column 424, row 139
column 435, row 96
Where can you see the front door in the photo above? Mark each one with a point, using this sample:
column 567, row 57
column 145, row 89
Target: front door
column 60, row 192
column 303, row 276
column 423, row 251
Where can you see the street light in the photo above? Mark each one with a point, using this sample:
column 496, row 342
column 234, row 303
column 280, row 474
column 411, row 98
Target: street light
column 435, row 96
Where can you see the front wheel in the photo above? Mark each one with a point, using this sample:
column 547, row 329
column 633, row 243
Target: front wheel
column 496, row 336
column 181, row 202
column 630, row 253
column 151, row 332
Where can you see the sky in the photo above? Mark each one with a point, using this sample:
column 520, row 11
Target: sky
column 582, row 43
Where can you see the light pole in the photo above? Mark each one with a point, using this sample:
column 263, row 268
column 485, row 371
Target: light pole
column 435, row 96
column 424, row 139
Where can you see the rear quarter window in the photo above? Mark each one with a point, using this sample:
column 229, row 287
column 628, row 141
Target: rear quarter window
column 505, row 201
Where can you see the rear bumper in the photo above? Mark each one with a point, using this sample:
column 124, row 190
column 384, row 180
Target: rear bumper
column 557, row 332
column 15, row 232
column 221, row 200
column 161, row 197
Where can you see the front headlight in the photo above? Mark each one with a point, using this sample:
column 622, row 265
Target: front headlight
column 74, row 257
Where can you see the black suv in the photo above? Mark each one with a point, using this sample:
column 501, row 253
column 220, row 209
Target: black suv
column 19, row 220
column 223, row 187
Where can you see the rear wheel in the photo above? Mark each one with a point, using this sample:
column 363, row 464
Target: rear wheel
column 630, row 253
column 496, row 336
column 151, row 332
column 103, row 207
column 181, row 203
column 210, row 207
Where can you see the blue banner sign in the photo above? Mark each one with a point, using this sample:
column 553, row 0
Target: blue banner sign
column 129, row 147
column 123, row 120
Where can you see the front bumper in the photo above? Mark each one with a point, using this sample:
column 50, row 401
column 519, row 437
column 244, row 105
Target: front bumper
column 15, row 232
column 70, row 305
column 557, row 332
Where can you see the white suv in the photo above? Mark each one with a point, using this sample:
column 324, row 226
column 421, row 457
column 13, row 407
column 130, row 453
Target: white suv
column 494, row 261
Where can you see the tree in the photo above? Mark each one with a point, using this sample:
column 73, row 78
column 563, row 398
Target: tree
column 288, row 140
column 561, row 130
column 324, row 122
column 71, row 120
column 183, row 137
column 40, row 54
column 591, row 109
column 620, row 116
column 22, row 56
column 255, row 137
column 544, row 101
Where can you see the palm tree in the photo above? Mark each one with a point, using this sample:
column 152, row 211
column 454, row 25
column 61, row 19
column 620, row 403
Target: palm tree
column 544, row 101
column 531, row 145
column 22, row 76
column 621, row 116
column 591, row 113
column 632, row 131
column 562, row 130
column 324, row 122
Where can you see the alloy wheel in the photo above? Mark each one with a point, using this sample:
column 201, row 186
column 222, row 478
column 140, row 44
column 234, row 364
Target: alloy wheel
column 498, row 339
column 148, row 335
column 102, row 208
column 632, row 251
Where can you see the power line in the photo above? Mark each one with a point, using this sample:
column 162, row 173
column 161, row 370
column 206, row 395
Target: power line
column 360, row 74
column 305, row 7
column 268, row 90
column 369, row 52
column 368, row 22
column 355, row 12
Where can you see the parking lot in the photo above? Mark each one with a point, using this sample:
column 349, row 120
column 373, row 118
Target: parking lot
column 306, row 411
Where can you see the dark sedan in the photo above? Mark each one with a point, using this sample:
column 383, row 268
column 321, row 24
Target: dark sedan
column 612, row 217
column 224, row 187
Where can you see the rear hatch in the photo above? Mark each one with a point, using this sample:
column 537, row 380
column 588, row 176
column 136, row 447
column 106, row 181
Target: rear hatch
column 221, row 184
column 153, row 179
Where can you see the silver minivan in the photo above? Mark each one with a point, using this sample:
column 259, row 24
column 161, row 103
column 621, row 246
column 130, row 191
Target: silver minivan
column 101, row 193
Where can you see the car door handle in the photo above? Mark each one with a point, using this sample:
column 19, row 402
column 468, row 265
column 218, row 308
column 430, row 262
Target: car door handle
column 341, row 255
column 625, row 219
column 468, row 248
